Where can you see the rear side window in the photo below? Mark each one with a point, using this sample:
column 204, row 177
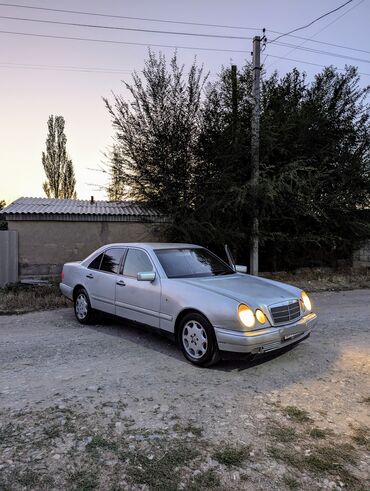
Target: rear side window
column 95, row 263
column 137, row 261
column 111, row 260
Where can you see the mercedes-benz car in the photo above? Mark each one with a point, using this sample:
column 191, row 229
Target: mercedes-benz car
column 210, row 306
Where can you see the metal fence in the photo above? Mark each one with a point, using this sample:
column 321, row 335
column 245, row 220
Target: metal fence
column 8, row 257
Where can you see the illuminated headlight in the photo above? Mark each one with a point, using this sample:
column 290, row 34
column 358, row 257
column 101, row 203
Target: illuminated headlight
column 260, row 316
column 246, row 315
column 306, row 301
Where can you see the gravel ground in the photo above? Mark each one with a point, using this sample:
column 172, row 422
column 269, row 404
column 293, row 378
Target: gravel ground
column 112, row 406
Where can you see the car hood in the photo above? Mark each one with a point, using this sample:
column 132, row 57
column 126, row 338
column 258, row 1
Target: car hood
column 247, row 288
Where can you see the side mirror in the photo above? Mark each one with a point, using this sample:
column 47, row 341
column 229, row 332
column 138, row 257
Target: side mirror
column 241, row 269
column 146, row 276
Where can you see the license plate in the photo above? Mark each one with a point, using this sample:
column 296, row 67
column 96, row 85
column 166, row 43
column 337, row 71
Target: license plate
column 290, row 336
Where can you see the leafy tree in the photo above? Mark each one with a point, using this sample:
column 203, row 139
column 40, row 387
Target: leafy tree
column 116, row 186
column 58, row 166
column 157, row 134
column 3, row 224
column 188, row 155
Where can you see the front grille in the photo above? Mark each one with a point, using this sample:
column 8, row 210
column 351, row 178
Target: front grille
column 285, row 312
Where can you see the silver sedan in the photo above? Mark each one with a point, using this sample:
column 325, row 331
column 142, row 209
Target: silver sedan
column 209, row 306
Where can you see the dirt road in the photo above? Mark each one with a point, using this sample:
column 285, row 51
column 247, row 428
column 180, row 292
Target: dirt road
column 117, row 407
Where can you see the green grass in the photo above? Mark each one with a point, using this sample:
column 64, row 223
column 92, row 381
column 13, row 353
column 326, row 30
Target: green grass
column 361, row 436
column 206, row 480
column 318, row 433
column 324, row 460
column 84, row 479
column 231, row 456
column 291, row 482
column 99, row 442
column 296, row 414
column 160, row 469
column 283, row 434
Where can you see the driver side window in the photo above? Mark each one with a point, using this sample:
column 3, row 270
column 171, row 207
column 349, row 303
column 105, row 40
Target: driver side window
column 137, row 261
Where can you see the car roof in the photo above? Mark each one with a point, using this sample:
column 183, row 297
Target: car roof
column 153, row 245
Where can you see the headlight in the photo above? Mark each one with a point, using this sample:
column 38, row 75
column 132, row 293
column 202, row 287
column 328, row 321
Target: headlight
column 246, row 315
column 306, row 301
column 260, row 316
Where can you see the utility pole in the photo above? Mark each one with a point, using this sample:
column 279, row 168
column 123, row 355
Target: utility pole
column 255, row 151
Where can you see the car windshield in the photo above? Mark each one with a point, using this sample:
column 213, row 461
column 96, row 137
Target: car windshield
column 191, row 263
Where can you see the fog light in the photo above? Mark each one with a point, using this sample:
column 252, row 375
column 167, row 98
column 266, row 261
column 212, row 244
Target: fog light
column 260, row 316
column 246, row 315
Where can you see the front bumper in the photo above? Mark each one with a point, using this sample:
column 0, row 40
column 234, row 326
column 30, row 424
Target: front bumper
column 264, row 340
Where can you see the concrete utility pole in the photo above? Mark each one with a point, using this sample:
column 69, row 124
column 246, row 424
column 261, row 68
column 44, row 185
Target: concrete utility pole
column 255, row 151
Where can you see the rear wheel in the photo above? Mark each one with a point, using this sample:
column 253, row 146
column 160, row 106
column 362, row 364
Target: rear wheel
column 198, row 341
column 83, row 311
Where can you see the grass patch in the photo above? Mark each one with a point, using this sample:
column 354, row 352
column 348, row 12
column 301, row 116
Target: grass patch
column 322, row 461
column 366, row 400
column 85, row 479
column 296, row 414
column 231, row 456
column 283, row 434
column 291, row 482
column 193, row 429
column 361, row 436
column 18, row 299
column 205, row 480
column 318, row 433
column 160, row 470
column 323, row 279
column 99, row 442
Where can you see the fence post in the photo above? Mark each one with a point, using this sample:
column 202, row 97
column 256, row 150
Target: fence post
column 8, row 257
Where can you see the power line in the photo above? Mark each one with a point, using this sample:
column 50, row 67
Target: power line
column 312, row 22
column 311, row 63
column 312, row 50
column 322, row 52
column 98, row 14
column 111, row 41
column 69, row 68
column 322, row 29
column 79, row 12
column 116, row 28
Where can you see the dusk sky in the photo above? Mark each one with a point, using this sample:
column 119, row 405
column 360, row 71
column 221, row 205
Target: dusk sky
column 42, row 76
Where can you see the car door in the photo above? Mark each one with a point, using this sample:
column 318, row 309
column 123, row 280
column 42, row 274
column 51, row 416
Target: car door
column 102, row 278
column 138, row 300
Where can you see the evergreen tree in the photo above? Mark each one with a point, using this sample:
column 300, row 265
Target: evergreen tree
column 58, row 166
column 157, row 134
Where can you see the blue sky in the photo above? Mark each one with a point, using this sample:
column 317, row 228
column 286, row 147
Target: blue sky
column 40, row 76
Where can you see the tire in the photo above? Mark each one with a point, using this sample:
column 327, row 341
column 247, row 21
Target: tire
column 82, row 307
column 197, row 340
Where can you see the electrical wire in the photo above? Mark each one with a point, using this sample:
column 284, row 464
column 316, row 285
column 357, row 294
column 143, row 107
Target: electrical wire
column 79, row 12
column 97, row 14
column 321, row 42
column 311, row 63
column 117, row 28
column 312, row 22
column 322, row 52
column 69, row 68
column 112, row 41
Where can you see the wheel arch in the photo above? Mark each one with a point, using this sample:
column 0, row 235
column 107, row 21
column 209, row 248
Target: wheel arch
column 76, row 289
column 182, row 314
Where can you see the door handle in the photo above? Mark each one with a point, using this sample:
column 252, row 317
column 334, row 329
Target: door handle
column 89, row 276
column 121, row 283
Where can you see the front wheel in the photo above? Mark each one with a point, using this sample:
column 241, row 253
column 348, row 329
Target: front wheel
column 83, row 311
column 198, row 341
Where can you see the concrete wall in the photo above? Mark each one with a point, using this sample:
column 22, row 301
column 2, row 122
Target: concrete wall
column 8, row 257
column 361, row 258
column 44, row 246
